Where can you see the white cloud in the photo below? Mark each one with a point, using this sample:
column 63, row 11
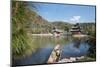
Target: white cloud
column 75, row 18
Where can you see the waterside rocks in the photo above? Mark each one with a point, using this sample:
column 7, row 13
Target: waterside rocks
column 71, row 59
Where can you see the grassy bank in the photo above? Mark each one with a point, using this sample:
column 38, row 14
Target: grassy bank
column 21, row 21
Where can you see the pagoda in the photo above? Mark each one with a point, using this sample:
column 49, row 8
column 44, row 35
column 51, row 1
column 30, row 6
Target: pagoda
column 76, row 29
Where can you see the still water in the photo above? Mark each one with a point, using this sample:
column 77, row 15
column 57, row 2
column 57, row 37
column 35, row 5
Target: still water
column 71, row 47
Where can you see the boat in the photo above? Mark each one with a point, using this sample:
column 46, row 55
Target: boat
column 55, row 54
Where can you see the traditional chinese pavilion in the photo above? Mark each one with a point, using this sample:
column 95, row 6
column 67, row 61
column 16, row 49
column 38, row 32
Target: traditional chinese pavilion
column 76, row 29
column 57, row 32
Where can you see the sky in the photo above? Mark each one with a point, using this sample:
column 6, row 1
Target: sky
column 66, row 12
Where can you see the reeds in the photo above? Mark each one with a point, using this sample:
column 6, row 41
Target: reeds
column 21, row 41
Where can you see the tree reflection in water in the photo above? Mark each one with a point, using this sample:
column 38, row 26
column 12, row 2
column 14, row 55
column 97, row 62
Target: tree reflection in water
column 92, row 49
column 76, row 42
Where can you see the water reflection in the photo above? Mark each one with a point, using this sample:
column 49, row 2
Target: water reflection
column 77, row 42
column 92, row 49
column 76, row 48
column 71, row 47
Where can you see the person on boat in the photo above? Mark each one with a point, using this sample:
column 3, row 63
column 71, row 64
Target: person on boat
column 57, row 53
column 55, row 56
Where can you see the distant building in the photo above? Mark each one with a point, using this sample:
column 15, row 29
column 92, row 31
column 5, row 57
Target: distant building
column 57, row 32
column 76, row 29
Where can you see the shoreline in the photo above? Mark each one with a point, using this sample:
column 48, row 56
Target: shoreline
column 49, row 34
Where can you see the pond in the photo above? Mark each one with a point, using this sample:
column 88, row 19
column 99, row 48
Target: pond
column 72, row 47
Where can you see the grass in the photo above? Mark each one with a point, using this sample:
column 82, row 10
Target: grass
column 21, row 40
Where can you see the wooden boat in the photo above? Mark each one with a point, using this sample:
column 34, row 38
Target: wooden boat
column 55, row 54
